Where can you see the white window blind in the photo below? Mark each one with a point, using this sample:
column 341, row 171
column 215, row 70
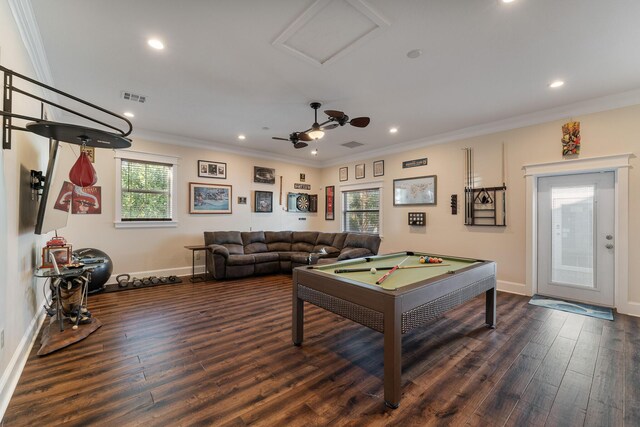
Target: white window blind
column 145, row 191
column 361, row 211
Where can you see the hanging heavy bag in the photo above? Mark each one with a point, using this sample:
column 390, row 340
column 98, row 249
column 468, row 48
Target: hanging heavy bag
column 82, row 173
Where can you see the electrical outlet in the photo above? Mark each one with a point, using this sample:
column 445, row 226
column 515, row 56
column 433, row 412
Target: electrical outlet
column 1, row 339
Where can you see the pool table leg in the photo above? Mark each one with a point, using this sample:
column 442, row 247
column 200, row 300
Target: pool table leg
column 392, row 353
column 297, row 329
column 490, row 310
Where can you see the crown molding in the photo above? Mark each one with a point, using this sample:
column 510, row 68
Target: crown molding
column 183, row 141
column 30, row 33
column 591, row 106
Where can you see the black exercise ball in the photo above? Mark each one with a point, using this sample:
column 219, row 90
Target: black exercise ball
column 100, row 274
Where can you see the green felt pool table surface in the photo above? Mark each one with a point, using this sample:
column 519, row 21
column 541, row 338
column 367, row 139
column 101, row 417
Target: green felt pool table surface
column 401, row 277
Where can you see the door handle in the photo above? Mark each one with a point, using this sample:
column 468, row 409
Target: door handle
column 608, row 246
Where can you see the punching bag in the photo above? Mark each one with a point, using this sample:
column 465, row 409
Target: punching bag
column 82, row 173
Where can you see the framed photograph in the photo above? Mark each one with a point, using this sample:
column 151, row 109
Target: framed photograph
column 360, row 171
column 420, row 190
column 302, row 177
column 212, row 169
column 264, row 201
column 242, row 200
column 329, row 203
column 378, row 168
column 344, row 174
column 209, row 198
column 62, row 255
column 264, row 175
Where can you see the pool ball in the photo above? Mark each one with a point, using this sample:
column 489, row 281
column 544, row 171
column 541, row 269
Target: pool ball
column 422, row 260
column 373, row 270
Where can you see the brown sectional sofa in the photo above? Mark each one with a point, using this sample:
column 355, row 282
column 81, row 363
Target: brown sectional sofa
column 235, row 254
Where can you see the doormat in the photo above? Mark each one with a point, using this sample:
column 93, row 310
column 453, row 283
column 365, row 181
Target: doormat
column 573, row 307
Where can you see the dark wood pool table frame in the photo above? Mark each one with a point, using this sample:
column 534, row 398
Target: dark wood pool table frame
column 392, row 312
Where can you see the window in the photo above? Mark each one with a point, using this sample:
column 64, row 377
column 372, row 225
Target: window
column 145, row 190
column 361, row 211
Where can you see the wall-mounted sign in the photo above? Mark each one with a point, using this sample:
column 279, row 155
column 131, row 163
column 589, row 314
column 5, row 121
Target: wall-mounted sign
column 302, row 186
column 414, row 163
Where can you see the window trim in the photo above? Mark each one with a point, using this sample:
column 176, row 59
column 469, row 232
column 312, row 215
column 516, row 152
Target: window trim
column 145, row 157
column 372, row 185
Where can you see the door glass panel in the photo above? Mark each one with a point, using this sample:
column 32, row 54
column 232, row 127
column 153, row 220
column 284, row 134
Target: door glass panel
column 572, row 235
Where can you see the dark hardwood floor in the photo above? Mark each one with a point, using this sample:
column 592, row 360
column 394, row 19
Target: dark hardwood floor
column 220, row 353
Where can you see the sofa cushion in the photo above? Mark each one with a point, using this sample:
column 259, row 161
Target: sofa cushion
column 266, row 257
column 368, row 241
column 325, row 239
column 351, row 253
column 338, row 241
column 254, row 241
column 278, row 241
column 304, row 241
column 241, row 260
column 287, row 256
column 232, row 240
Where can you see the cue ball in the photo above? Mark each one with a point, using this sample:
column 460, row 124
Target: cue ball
column 373, row 270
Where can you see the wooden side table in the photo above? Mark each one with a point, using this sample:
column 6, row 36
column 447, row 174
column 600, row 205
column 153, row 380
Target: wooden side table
column 194, row 249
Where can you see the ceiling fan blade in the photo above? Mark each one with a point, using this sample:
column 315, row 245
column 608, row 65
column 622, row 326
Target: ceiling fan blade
column 333, row 113
column 304, row 137
column 300, row 144
column 281, row 139
column 331, row 126
column 360, row 122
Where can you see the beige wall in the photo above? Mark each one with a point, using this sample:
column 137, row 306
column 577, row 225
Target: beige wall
column 610, row 132
column 161, row 250
column 20, row 293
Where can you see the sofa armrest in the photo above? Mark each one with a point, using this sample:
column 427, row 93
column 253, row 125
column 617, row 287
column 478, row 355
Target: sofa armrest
column 219, row 250
column 351, row 253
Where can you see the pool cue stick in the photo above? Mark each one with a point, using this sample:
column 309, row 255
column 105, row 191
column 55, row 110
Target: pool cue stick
column 383, row 278
column 387, row 274
column 358, row 270
column 423, row 266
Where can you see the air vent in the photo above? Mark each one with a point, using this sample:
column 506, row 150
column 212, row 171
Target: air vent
column 129, row 96
column 352, row 144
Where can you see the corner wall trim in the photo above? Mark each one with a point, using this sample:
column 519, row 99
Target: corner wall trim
column 11, row 375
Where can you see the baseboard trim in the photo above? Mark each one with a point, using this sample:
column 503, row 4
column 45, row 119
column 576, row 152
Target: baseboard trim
column 512, row 287
column 12, row 373
column 630, row 308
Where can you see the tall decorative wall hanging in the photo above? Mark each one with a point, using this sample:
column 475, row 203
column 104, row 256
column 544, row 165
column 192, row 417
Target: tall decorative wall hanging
column 570, row 139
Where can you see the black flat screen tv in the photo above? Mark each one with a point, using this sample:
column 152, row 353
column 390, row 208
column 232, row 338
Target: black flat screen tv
column 55, row 205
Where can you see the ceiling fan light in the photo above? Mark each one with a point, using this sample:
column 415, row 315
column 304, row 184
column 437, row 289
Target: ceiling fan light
column 315, row 134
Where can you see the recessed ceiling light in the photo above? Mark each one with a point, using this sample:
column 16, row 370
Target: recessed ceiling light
column 156, row 44
column 314, row 152
column 129, row 114
column 393, row 130
column 413, row 54
column 556, row 84
column 507, row 1
column 242, row 137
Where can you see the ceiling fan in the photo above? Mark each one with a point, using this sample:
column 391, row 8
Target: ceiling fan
column 316, row 131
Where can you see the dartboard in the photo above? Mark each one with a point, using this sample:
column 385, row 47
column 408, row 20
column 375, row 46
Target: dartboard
column 302, row 203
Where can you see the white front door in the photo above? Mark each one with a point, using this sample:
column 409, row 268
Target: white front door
column 575, row 237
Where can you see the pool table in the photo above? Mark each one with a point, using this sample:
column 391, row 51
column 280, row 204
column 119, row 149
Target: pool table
column 409, row 297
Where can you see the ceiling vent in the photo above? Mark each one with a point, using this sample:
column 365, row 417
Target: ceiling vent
column 352, row 144
column 130, row 96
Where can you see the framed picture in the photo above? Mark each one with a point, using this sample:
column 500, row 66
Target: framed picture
column 212, row 169
column 264, row 201
column 62, row 255
column 209, row 198
column 344, row 174
column 420, row 190
column 264, row 175
column 242, row 200
column 360, row 171
column 378, row 168
column 302, row 177
column 329, row 203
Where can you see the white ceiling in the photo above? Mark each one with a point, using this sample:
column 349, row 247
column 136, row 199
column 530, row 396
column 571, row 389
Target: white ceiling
column 224, row 71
